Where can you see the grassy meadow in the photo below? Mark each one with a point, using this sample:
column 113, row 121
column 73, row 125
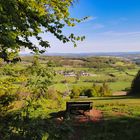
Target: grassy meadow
column 121, row 81
column 33, row 96
column 120, row 120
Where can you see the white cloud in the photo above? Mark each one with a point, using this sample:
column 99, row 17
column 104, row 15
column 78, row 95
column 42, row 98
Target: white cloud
column 114, row 33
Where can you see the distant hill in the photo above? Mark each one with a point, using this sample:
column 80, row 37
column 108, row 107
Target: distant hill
column 119, row 54
column 130, row 56
column 83, row 61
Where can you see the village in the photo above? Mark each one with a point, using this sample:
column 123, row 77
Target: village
column 72, row 73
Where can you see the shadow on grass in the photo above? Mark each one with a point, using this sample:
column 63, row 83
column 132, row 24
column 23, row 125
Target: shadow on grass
column 15, row 127
column 111, row 129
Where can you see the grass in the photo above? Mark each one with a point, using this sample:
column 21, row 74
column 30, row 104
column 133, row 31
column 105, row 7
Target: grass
column 118, row 82
column 59, row 87
column 114, row 86
column 121, row 115
column 128, row 106
column 119, row 85
column 121, row 120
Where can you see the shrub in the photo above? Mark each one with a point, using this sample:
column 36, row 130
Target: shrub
column 75, row 92
column 41, row 77
column 89, row 92
column 104, row 90
column 94, row 91
column 52, row 94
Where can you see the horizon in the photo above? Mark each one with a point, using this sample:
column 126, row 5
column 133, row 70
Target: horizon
column 109, row 53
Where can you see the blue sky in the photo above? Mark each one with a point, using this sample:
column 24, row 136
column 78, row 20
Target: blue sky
column 113, row 26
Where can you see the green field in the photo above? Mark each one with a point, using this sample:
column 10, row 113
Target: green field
column 120, row 121
column 121, row 81
column 33, row 100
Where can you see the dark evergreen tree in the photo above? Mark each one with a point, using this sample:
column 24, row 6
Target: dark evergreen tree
column 135, row 87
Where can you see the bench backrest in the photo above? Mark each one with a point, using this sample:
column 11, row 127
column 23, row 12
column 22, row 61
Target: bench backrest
column 79, row 106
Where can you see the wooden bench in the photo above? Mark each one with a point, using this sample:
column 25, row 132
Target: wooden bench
column 74, row 107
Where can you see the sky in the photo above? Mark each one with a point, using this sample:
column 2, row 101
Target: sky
column 113, row 26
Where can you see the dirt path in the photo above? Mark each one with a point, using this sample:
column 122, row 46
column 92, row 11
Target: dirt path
column 119, row 93
column 91, row 116
column 88, row 116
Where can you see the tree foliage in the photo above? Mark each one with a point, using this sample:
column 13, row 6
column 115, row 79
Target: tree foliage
column 95, row 91
column 135, row 87
column 39, row 78
column 22, row 19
